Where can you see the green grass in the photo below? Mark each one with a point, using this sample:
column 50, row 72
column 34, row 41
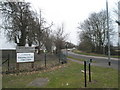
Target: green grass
column 76, row 58
column 93, row 54
column 68, row 73
column 27, row 66
column 79, row 59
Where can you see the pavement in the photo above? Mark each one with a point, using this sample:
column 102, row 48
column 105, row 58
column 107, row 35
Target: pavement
column 99, row 61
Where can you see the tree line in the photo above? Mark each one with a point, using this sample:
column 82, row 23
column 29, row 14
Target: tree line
column 26, row 26
column 93, row 34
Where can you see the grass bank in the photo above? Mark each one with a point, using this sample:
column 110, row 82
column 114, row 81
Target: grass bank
column 75, row 58
column 93, row 54
column 65, row 76
column 78, row 59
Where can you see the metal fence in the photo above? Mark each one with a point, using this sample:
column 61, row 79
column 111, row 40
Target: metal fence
column 41, row 61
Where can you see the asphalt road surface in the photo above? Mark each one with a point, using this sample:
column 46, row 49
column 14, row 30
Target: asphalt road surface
column 99, row 61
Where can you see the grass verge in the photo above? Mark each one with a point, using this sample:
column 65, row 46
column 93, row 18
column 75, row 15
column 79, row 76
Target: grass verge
column 75, row 58
column 78, row 59
column 66, row 76
column 93, row 54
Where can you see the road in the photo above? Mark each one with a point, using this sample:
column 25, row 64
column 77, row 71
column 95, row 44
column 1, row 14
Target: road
column 99, row 61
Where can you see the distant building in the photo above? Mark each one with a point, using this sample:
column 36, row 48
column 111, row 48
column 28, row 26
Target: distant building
column 53, row 48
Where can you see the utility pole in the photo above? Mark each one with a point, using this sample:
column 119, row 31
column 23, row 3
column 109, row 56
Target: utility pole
column 108, row 35
column 119, row 24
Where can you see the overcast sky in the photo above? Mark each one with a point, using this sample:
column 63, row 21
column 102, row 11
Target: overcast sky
column 69, row 12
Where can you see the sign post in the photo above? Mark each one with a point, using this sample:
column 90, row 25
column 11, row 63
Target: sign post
column 8, row 62
column 17, row 67
column 85, row 74
column 25, row 54
column 89, row 73
column 45, row 57
column 90, row 70
column 88, row 62
column 32, row 64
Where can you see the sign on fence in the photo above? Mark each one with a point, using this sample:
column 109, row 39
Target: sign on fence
column 25, row 54
column 25, row 57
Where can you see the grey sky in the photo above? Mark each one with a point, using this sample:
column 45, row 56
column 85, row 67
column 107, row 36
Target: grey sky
column 71, row 12
column 68, row 12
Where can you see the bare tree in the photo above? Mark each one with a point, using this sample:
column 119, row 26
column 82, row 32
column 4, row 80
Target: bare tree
column 16, row 20
column 94, row 32
column 59, row 38
column 48, row 40
column 117, row 9
column 41, row 32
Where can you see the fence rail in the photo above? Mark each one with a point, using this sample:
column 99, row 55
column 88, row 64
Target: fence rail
column 5, row 61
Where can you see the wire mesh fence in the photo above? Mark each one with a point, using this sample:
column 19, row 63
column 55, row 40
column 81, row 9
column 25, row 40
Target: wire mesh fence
column 41, row 61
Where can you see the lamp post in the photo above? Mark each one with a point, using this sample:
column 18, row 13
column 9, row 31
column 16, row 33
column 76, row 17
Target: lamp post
column 109, row 62
column 118, row 22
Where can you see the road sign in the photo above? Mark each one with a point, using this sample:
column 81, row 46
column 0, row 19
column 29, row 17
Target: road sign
column 88, row 61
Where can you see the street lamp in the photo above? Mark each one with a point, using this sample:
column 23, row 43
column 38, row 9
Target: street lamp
column 118, row 22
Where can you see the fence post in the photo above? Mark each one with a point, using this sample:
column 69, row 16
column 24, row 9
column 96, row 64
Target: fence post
column 89, row 73
column 8, row 62
column 85, row 74
column 59, row 57
column 45, row 59
column 59, row 60
column 32, row 64
column 17, row 67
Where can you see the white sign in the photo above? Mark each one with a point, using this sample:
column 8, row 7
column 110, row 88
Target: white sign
column 25, row 57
